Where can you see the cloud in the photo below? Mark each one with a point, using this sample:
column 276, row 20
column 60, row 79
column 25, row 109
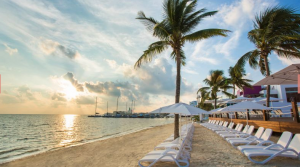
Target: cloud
column 108, row 88
column 70, row 77
column 10, row 99
column 156, row 79
column 56, row 96
column 9, row 50
column 50, row 47
column 85, row 100
column 286, row 61
column 229, row 46
column 24, row 91
column 202, row 54
column 111, row 63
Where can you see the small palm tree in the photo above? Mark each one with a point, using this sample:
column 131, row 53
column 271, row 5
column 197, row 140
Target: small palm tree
column 205, row 96
column 276, row 29
column 216, row 83
column 180, row 18
column 237, row 80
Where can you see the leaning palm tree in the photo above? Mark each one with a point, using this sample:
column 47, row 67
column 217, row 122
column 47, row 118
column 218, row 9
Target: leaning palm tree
column 275, row 30
column 216, row 83
column 237, row 80
column 180, row 18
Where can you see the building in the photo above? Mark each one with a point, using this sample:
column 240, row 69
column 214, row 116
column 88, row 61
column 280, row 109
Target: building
column 284, row 92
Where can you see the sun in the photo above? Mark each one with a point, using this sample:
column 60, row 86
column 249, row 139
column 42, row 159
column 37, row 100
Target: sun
column 69, row 90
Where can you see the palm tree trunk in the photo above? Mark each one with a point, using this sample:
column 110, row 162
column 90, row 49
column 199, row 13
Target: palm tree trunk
column 215, row 103
column 177, row 94
column 268, row 86
column 233, row 91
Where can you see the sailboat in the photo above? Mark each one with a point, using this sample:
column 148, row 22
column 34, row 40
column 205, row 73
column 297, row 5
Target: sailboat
column 96, row 114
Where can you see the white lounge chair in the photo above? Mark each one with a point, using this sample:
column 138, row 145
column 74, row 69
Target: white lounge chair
column 237, row 130
column 241, row 135
column 292, row 151
column 252, row 139
column 233, row 135
column 180, row 157
column 282, row 143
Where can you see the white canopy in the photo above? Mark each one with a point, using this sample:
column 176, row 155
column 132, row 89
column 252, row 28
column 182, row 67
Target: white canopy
column 288, row 75
column 215, row 111
column 243, row 106
column 263, row 100
column 180, row 108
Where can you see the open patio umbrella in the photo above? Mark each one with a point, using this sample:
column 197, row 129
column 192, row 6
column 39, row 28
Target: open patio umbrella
column 288, row 75
column 180, row 108
column 244, row 107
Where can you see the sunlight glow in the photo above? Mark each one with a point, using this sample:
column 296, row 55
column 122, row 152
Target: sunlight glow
column 68, row 129
column 69, row 90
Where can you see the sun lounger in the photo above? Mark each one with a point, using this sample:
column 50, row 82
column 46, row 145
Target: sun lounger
column 180, row 157
column 234, row 134
column 238, row 129
column 241, row 135
column 292, row 151
column 282, row 143
column 252, row 139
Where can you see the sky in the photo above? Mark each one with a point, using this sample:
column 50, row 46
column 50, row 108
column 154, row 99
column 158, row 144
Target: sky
column 57, row 56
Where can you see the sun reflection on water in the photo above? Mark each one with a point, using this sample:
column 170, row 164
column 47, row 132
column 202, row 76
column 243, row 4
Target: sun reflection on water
column 68, row 129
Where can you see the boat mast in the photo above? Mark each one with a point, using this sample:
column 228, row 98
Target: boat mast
column 131, row 106
column 117, row 103
column 107, row 109
column 96, row 106
column 126, row 107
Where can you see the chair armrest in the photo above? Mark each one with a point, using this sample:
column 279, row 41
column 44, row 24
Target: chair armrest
column 265, row 142
column 272, row 146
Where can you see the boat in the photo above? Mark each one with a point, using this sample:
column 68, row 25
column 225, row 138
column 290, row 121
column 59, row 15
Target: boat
column 96, row 114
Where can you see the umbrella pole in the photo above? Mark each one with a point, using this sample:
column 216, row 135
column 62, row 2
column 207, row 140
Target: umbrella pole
column 247, row 116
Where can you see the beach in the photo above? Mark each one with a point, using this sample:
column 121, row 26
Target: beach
column 208, row 150
column 119, row 151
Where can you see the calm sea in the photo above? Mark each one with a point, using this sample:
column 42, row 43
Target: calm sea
column 24, row 135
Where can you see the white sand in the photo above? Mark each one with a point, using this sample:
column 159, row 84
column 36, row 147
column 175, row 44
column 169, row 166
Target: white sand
column 209, row 149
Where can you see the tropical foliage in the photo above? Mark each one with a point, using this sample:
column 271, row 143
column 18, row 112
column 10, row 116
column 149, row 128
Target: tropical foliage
column 237, row 80
column 216, row 82
column 205, row 96
column 180, row 18
column 275, row 30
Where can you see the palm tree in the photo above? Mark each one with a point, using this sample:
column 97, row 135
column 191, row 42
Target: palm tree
column 205, row 96
column 237, row 80
column 180, row 18
column 276, row 29
column 216, row 83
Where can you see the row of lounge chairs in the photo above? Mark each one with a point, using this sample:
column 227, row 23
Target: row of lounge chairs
column 258, row 145
column 171, row 150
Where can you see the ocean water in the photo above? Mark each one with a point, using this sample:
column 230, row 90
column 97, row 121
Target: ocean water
column 24, row 135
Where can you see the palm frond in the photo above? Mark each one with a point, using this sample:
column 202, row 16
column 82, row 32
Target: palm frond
column 154, row 49
column 204, row 34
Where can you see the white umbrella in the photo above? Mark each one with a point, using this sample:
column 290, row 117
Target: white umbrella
column 288, row 75
column 239, row 99
column 263, row 100
column 244, row 107
column 180, row 108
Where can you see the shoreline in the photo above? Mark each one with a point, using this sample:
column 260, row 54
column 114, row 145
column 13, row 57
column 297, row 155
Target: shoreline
column 33, row 157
